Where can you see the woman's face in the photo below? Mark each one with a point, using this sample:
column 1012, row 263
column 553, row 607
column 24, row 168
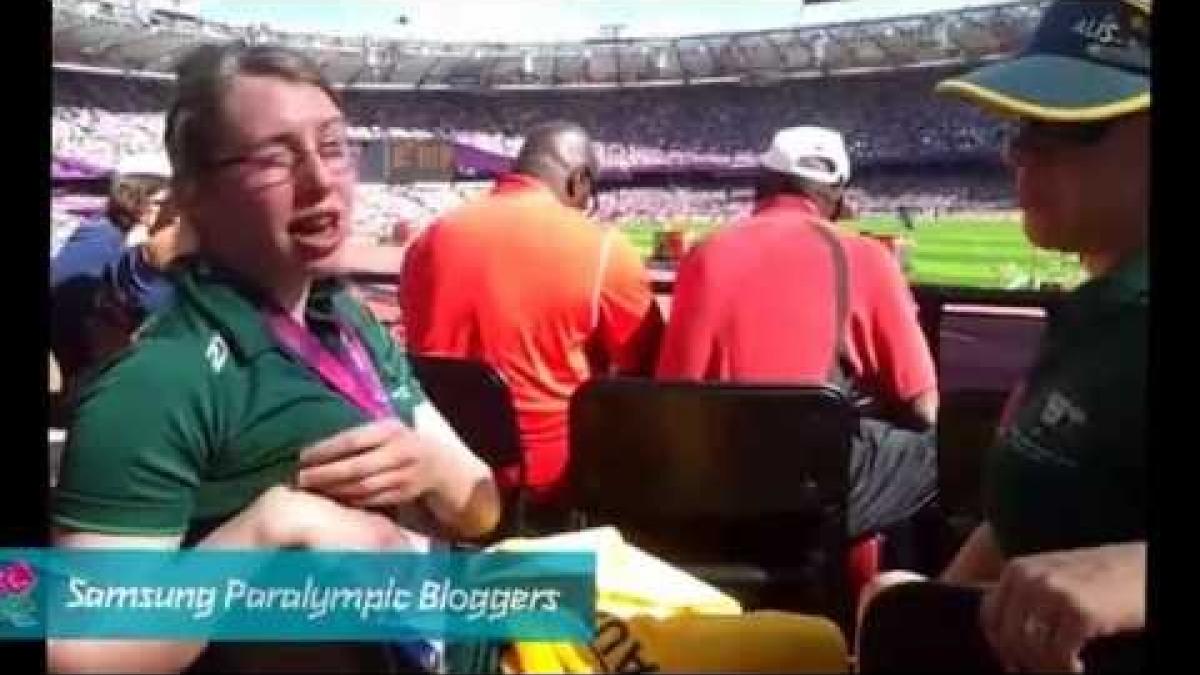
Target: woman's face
column 275, row 203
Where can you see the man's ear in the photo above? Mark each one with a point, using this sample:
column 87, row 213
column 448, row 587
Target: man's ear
column 577, row 189
column 837, row 209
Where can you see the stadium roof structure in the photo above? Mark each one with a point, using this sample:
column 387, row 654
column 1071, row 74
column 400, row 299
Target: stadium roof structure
column 110, row 36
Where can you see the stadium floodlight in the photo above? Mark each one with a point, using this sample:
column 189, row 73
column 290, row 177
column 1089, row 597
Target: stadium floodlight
column 612, row 31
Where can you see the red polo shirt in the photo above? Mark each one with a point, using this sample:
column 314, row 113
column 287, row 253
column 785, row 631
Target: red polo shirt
column 755, row 302
column 523, row 282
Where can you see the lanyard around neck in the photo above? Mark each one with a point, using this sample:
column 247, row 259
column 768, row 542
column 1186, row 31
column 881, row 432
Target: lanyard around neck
column 351, row 373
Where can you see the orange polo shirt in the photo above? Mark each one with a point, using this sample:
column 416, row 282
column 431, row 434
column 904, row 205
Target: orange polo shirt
column 522, row 282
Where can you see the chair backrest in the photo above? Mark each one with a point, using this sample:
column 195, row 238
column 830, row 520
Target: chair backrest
column 475, row 401
column 746, row 456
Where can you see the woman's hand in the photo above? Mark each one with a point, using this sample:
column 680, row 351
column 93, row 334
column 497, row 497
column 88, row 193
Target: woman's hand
column 379, row 464
column 1046, row 607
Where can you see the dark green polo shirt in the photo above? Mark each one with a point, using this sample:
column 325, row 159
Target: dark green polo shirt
column 1070, row 471
column 206, row 411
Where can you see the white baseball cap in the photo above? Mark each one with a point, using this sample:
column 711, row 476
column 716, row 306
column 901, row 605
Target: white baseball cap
column 791, row 146
column 144, row 164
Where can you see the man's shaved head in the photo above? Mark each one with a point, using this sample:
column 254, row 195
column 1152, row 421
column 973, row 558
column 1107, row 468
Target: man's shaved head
column 560, row 154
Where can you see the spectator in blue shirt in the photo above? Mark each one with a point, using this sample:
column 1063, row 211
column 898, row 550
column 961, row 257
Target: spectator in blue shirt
column 96, row 254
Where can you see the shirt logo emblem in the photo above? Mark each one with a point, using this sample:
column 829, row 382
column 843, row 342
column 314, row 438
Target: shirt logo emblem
column 217, row 353
column 1060, row 413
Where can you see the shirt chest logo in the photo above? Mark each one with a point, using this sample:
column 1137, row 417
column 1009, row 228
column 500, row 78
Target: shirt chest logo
column 1061, row 413
column 217, row 353
column 1051, row 435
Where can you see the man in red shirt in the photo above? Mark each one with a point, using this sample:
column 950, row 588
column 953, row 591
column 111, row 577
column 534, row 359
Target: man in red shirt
column 523, row 280
column 786, row 296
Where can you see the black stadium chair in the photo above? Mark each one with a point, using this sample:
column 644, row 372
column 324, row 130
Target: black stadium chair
column 475, row 400
column 742, row 485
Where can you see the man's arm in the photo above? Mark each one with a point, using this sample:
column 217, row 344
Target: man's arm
column 466, row 500
column 641, row 351
column 690, row 339
column 89, row 248
column 979, row 561
column 414, row 292
column 925, row 407
column 629, row 324
column 897, row 350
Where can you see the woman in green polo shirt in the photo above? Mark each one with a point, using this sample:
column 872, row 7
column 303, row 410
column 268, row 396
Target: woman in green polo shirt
column 265, row 407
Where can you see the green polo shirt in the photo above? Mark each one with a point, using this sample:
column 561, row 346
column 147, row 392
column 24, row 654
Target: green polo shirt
column 1070, row 471
column 206, row 411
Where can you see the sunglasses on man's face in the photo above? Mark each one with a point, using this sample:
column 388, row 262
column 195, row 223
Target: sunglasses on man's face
column 1033, row 134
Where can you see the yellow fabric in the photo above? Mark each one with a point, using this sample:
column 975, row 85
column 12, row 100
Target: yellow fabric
column 630, row 581
column 653, row 617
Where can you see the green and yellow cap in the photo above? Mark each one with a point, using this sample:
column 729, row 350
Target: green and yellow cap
column 1089, row 60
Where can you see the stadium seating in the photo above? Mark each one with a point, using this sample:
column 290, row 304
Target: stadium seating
column 694, row 472
column 478, row 405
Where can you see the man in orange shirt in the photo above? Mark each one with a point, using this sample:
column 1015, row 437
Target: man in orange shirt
column 523, row 280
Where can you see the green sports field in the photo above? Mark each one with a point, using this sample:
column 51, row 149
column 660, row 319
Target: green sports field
column 988, row 251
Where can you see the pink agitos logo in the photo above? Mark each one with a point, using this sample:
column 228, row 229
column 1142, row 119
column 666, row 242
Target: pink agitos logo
column 17, row 581
column 16, row 578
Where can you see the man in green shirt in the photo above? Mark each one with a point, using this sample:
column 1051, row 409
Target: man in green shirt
column 1062, row 548
column 265, row 408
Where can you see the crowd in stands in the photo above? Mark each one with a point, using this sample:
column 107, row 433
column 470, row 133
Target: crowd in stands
column 882, row 192
column 884, row 117
column 102, row 136
column 964, row 190
column 380, row 206
column 662, row 204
